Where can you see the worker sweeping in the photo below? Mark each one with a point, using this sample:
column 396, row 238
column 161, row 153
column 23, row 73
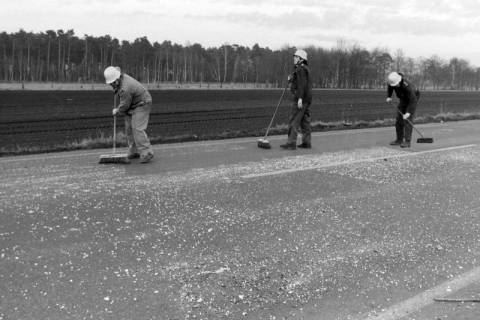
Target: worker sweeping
column 301, row 88
column 408, row 96
column 135, row 104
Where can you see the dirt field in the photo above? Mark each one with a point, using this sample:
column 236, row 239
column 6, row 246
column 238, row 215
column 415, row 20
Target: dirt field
column 151, row 86
column 48, row 118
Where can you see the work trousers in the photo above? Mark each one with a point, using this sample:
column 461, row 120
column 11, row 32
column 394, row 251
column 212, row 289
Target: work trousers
column 299, row 122
column 402, row 126
column 136, row 122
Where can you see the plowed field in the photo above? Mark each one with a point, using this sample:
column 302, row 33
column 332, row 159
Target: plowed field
column 46, row 118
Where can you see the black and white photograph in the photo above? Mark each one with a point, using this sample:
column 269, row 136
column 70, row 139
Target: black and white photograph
column 239, row 159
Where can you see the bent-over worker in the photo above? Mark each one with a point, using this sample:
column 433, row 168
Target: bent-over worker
column 135, row 104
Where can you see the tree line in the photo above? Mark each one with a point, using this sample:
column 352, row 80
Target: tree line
column 62, row 56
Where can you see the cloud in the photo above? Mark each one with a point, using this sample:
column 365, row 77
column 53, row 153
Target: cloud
column 291, row 20
column 413, row 25
column 443, row 18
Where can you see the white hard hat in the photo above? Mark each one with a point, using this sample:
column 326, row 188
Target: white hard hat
column 301, row 53
column 394, row 78
column 111, row 74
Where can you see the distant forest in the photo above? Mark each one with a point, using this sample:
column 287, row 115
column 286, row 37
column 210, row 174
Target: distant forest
column 61, row 56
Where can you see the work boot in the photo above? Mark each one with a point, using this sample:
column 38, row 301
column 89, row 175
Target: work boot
column 396, row 142
column 147, row 158
column 305, row 145
column 133, row 155
column 288, row 146
column 405, row 144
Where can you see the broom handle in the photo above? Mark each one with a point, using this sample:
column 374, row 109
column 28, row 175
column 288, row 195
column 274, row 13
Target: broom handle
column 279, row 101
column 114, row 124
column 276, row 109
column 410, row 122
column 114, row 133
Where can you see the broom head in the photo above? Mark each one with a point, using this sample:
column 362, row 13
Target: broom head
column 264, row 144
column 425, row 140
column 114, row 158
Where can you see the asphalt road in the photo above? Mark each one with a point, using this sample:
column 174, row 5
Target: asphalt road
column 351, row 229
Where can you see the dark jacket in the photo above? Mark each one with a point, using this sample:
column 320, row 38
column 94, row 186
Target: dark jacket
column 301, row 85
column 408, row 95
column 132, row 94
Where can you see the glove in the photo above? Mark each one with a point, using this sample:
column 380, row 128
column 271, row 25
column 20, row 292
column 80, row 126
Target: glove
column 115, row 111
column 389, row 100
column 299, row 104
column 406, row 115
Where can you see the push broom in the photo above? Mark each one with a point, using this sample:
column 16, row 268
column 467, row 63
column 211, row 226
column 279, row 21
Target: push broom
column 114, row 157
column 263, row 142
column 419, row 140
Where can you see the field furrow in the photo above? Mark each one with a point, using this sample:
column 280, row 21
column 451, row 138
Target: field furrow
column 43, row 119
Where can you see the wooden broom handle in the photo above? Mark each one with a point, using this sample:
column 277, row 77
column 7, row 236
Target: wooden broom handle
column 114, row 124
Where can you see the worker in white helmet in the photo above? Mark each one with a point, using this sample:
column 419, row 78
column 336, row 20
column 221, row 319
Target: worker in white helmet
column 301, row 88
column 408, row 96
column 135, row 103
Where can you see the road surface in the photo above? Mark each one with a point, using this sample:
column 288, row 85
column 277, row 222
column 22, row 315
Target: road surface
column 351, row 229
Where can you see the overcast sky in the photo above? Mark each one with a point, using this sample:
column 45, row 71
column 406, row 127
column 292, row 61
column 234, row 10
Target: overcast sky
column 446, row 28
